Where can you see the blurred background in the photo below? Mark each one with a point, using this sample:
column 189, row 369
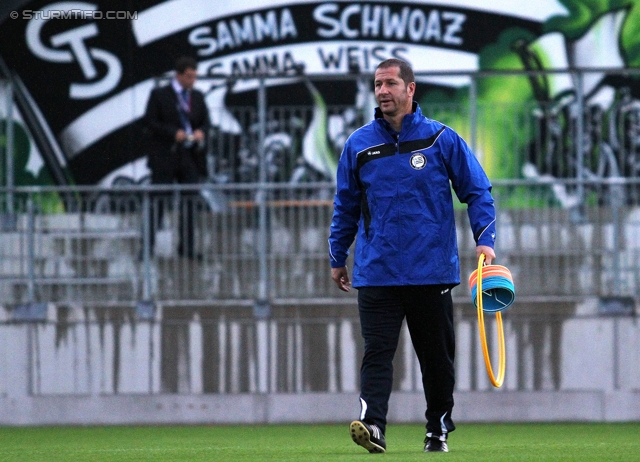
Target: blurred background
column 100, row 325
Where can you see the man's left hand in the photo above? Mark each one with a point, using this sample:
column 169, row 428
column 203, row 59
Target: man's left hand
column 198, row 135
column 489, row 254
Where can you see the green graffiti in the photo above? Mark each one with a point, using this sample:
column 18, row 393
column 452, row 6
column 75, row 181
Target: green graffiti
column 582, row 14
column 316, row 144
column 24, row 174
column 27, row 171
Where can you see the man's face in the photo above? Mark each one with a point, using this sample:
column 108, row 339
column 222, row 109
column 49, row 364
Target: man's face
column 392, row 95
column 187, row 79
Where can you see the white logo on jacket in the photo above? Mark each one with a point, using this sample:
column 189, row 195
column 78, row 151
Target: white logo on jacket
column 418, row 161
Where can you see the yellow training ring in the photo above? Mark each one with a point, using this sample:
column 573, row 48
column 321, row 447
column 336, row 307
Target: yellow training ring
column 496, row 382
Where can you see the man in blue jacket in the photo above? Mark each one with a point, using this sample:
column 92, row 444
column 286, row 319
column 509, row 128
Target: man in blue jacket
column 394, row 193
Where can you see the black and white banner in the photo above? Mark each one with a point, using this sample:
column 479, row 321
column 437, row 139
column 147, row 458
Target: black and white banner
column 84, row 69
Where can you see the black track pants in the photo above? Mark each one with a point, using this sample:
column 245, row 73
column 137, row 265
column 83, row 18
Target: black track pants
column 428, row 310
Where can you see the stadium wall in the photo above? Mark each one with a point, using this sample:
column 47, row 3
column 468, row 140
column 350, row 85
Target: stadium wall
column 48, row 379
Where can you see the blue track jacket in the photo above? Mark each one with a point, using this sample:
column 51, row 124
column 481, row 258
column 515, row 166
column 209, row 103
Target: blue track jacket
column 394, row 191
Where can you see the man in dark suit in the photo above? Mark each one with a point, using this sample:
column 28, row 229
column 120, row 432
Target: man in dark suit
column 177, row 121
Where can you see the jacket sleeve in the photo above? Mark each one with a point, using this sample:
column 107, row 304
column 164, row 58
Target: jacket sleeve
column 346, row 209
column 473, row 188
column 154, row 117
column 204, row 121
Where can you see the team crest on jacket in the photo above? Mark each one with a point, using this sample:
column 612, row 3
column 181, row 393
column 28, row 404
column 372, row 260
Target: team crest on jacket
column 418, row 161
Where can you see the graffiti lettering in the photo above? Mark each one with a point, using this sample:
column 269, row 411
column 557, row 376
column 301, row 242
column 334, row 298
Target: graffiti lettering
column 360, row 58
column 250, row 29
column 357, row 21
column 265, row 65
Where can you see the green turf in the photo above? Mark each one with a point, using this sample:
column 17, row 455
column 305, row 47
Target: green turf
column 471, row 442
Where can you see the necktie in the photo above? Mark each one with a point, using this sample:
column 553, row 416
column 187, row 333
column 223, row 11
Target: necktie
column 184, row 110
column 186, row 97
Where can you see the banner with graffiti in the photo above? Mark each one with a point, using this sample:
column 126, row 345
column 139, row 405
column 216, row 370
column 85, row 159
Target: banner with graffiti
column 81, row 74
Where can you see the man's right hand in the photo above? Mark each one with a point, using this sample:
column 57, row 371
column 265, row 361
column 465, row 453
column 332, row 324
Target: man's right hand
column 341, row 278
column 181, row 135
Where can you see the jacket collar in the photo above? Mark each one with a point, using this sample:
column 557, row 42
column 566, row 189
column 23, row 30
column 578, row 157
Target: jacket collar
column 407, row 119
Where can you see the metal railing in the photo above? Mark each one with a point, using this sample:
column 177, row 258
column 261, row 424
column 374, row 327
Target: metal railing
column 549, row 122
column 92, row 248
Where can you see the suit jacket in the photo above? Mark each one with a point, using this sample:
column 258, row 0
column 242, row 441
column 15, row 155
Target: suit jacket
column 162, row 121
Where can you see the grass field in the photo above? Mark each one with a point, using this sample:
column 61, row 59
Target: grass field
column 470, row 442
